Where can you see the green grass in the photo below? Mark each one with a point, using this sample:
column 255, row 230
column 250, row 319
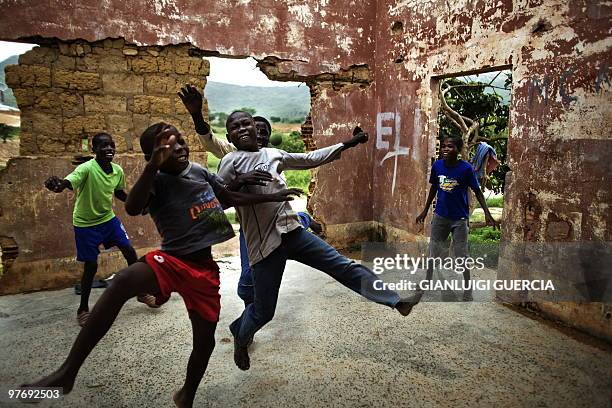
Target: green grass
column 495, row 202
column 484, row 243
column 485, row 234
column 231, row 217
column 298, row 179
column 212, row 163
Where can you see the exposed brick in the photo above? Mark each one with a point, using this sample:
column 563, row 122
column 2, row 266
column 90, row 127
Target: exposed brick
column 27, row 75
column 144, row 65
column 46, row 123
column 83, row 81
column 105, row 103
column 119, row 123
column 140, row 122
column 24, row 97
column 79, row 125
column 64, row 62
column 122, row 83
column 153, row 104
column 155, row 84
column 38, row 56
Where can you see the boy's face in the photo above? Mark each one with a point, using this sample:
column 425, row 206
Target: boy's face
column 180, row 153
column 241, row 131
column 263, row 136
column 448, row 149
column 105, row 149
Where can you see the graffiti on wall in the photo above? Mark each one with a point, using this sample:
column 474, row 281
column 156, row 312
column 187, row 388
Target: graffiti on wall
column 541, row 89
column 389, row 124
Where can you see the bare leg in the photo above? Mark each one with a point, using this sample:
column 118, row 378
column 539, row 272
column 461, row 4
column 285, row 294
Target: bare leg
column 89, row 271
column 129, row 253
column 128, row 283
column 203, row 345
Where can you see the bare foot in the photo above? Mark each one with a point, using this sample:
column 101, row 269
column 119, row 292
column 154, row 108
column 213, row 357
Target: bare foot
column 241, row 356
column 60, row 378
column 181, row 400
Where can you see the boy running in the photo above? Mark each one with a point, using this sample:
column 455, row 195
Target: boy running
column 450, row 179
column 94, row 183
column 274, row 234
column 184, row 200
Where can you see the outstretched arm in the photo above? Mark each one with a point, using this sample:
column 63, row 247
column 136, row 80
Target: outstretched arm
column 139, row 196
column 121, row 195
column 234, row 198
column 302, row 161
column 192, row 99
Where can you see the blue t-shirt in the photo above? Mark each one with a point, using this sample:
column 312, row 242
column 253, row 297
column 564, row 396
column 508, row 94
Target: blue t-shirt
column 452, row 184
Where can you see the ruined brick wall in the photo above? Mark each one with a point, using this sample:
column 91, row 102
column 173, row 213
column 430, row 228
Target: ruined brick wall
column 560, row 144
column 558, row 51
column 67, row 92
column 330, row 43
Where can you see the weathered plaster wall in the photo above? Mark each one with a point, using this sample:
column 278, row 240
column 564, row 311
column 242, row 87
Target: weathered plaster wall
column 560, row 144
column 315, row 36
column 559, row 53
column 114, row 70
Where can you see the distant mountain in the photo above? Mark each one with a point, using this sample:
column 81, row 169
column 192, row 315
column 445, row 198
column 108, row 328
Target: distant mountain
column 9, row 98
column 283, row 102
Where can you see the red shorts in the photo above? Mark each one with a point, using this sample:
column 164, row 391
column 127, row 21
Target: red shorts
column 197, row 283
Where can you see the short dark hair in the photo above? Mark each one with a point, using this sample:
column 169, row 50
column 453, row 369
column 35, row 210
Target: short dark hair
column 95, row 141
column 234, row 113
column 457, row 141
column 265, row 121
column 147, row 139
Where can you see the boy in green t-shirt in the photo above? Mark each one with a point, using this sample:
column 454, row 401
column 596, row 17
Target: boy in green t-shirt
column 94, row 183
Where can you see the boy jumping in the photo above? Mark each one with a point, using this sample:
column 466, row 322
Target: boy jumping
column 450, row 179
column 183, row 199
column 274, row 234
column 192, row 99
column 95, row 182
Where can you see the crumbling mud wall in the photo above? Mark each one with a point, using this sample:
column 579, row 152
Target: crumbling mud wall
column 558, row 51
column 114, row 65
column 67, row 92
column 560, row 144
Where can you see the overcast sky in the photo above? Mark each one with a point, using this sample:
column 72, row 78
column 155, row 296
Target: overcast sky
column 229, row 71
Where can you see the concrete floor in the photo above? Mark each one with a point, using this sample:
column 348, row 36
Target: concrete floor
column 326, row 347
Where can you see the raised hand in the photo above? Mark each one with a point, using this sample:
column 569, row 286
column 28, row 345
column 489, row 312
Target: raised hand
column 162, row 150
column 255, row 177
column 359, row 136
column 192, row 98
column 287, row 194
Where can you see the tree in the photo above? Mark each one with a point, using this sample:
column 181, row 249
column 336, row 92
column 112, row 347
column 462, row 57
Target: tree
column 250, row 111
column 275, row 119
column 7, row 132
column 221, row 118
column 470, row 112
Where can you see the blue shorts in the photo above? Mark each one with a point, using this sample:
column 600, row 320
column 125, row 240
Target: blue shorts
column 110, row 233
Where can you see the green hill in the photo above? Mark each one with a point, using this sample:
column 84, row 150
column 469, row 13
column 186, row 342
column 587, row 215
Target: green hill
column 283, row 102
column 9, row 98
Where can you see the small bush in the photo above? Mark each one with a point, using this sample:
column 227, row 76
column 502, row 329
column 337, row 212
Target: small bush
column 484, row 243
column 495, row 202
column 297, row 179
